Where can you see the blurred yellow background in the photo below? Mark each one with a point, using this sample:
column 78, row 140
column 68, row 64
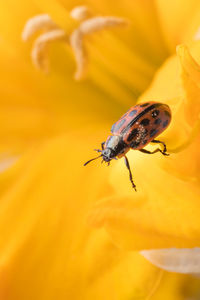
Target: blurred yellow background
column 69, row 232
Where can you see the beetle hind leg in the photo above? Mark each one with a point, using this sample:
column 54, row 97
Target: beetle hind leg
column 130, row 174
column 164, row 151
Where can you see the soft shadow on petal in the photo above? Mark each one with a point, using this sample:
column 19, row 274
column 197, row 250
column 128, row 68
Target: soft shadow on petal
column 178, row 287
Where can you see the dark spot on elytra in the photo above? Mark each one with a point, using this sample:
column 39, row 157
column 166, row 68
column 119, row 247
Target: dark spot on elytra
column 134, row 144
column 132, row 134
column 118, row 125
column 132, row 113
column 165, row 123
column 153, row 132
column 155, row 113
column 144, row 104
column 167, row 114
column 157, row 121
column 145, row 122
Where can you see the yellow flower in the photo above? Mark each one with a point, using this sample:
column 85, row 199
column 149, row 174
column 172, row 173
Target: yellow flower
column 49, row 124
column 175, row 179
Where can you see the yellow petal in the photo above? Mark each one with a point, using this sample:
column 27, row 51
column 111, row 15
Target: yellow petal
column 159, row 215
column 44, row 238
column 178, row 20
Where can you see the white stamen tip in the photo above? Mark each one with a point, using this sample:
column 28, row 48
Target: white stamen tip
column 39, row 22
column 80, row 13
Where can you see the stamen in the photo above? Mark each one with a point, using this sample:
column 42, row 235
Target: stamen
column 39, row 22
column 75, row 39
column 80, row 13
column 99, row 23
column 39, row 50
column 80, row 54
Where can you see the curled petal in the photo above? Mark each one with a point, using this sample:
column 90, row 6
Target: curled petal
column 190, row 77
column 189, row 66
column 175, row 260
column 39, row 52
column 36, row 23
column 99, row 23
column 194, row 132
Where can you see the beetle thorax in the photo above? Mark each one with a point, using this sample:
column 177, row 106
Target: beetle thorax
column 114, row 146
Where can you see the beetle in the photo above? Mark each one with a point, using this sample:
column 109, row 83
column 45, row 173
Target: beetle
column 139, row 126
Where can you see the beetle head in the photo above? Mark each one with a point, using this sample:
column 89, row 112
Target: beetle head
column 108, row 154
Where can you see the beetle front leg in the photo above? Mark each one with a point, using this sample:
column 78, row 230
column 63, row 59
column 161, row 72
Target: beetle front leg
column 102, row 145
column 102, row 148
column 130, row 174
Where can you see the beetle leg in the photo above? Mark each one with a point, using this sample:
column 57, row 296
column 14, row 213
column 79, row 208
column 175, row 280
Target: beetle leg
column 152, row 152
column 102, row 145
column 130, row 174
column 98, row 150
column 164, row 146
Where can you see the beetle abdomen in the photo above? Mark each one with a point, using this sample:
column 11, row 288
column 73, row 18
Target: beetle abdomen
column 147, row 126
column 142, row 123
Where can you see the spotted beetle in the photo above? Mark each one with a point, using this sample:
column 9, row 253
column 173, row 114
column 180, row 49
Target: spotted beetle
column 134, row 130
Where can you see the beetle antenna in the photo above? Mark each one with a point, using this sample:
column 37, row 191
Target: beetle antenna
column 98, row 150
column 87, row 162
